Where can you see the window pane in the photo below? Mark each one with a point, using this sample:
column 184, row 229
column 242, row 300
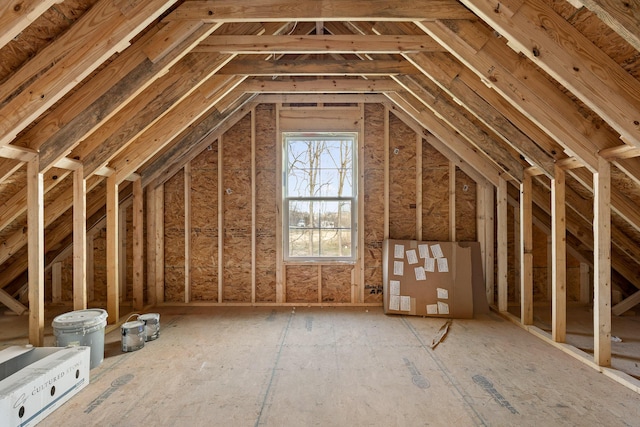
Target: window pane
column 319, row 174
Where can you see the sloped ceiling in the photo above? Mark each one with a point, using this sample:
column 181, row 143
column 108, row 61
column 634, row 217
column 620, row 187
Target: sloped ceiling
column 133, row 88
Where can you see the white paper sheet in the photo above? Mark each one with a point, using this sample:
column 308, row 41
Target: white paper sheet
column 443, row 307
column 394, row 302
column 442, row 293
column 430, row 264
column 398, row 251
column 405, row 303
column 394, row 287
column 424, row 251
column 436, row 250
column 412, row 257
column 432, row 308
column 443, row 265
column 398, row 268
column 420, row 274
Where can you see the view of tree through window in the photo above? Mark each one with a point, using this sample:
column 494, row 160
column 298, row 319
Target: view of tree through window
column 319, row 195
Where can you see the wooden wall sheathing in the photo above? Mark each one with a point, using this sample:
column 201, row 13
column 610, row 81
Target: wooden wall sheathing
column 305, row 278
column 336, row 283
column 402, row 180
column 100, row 266
column 266, row 202
column 435, row 194
column 237, row 211
column 373, row 201
column 466, row 202
column 204, row 225
column 174, row 238
column 301, row 280
column 127, row 287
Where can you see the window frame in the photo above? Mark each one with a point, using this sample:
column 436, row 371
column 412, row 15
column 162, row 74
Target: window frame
column 352, row 198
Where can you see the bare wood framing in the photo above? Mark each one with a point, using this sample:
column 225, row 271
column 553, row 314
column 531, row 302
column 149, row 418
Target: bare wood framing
column 159, row 243
column 220, row 218
column 323, row 67
column 452, row 201
column 280, row 269
column 602, row 264
column 254, row 213
column 187, row 232
column 320, row 86
column 151, row 245
column 14, row 18
column 489, row 265
column 526, row 251
column 317, row 44
column 559, row 257
column 418, row 186
column 502, row 246
column 315, row 10
column 361, row 207
column 138, row 247
column 79, row 240
column 386, row 173
column 35, row 225
column 113, row 258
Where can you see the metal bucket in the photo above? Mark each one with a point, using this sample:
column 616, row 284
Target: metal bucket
column 151, row 325
column 133, row 335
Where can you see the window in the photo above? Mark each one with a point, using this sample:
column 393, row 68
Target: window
column 319, row 196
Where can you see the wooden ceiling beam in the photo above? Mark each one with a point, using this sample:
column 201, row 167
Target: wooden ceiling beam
column 375, row 85
column 102, row 31
column 16, row 205
column 320, row 10
column 317, row 44
column 172, row 125
column 443, row 133
column 547, row 39
column 17, row 153
column 318, row 67
column 15, row 16
column 192, row 141
column 449, row 113
column 441, row 70
column 95, row 103
column 517, row 80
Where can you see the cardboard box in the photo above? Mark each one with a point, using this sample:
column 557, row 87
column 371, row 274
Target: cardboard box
column 436, row 279
column 36, row 381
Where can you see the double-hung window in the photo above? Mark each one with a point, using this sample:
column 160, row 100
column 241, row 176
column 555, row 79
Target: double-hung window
column 319, row 202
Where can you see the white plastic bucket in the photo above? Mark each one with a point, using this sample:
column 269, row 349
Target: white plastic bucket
column 133, row 335
column 82, row 327
column 151, row 325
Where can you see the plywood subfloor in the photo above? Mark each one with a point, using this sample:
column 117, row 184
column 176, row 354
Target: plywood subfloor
column 341, row 367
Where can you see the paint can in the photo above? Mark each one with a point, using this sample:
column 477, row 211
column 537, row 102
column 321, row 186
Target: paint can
column 133, row 335
column 151, row 325
column 82, row 327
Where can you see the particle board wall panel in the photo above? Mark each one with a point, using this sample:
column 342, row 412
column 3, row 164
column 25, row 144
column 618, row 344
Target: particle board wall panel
column 373, row 285
column 374, row 202
column 174, row 238
column 435, row 194
column 302, row 283
column 465, row 207
column 266, row 146
column 236, row 170
column 336, row 283
column 402, row 180
column 204, row 225
column 266, row 283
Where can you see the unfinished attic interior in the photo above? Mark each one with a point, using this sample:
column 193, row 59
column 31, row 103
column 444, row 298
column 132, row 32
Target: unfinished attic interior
column 239, row 167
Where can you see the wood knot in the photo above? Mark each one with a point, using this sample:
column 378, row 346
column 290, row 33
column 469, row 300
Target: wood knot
column 17, row 7
column 536, row 52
